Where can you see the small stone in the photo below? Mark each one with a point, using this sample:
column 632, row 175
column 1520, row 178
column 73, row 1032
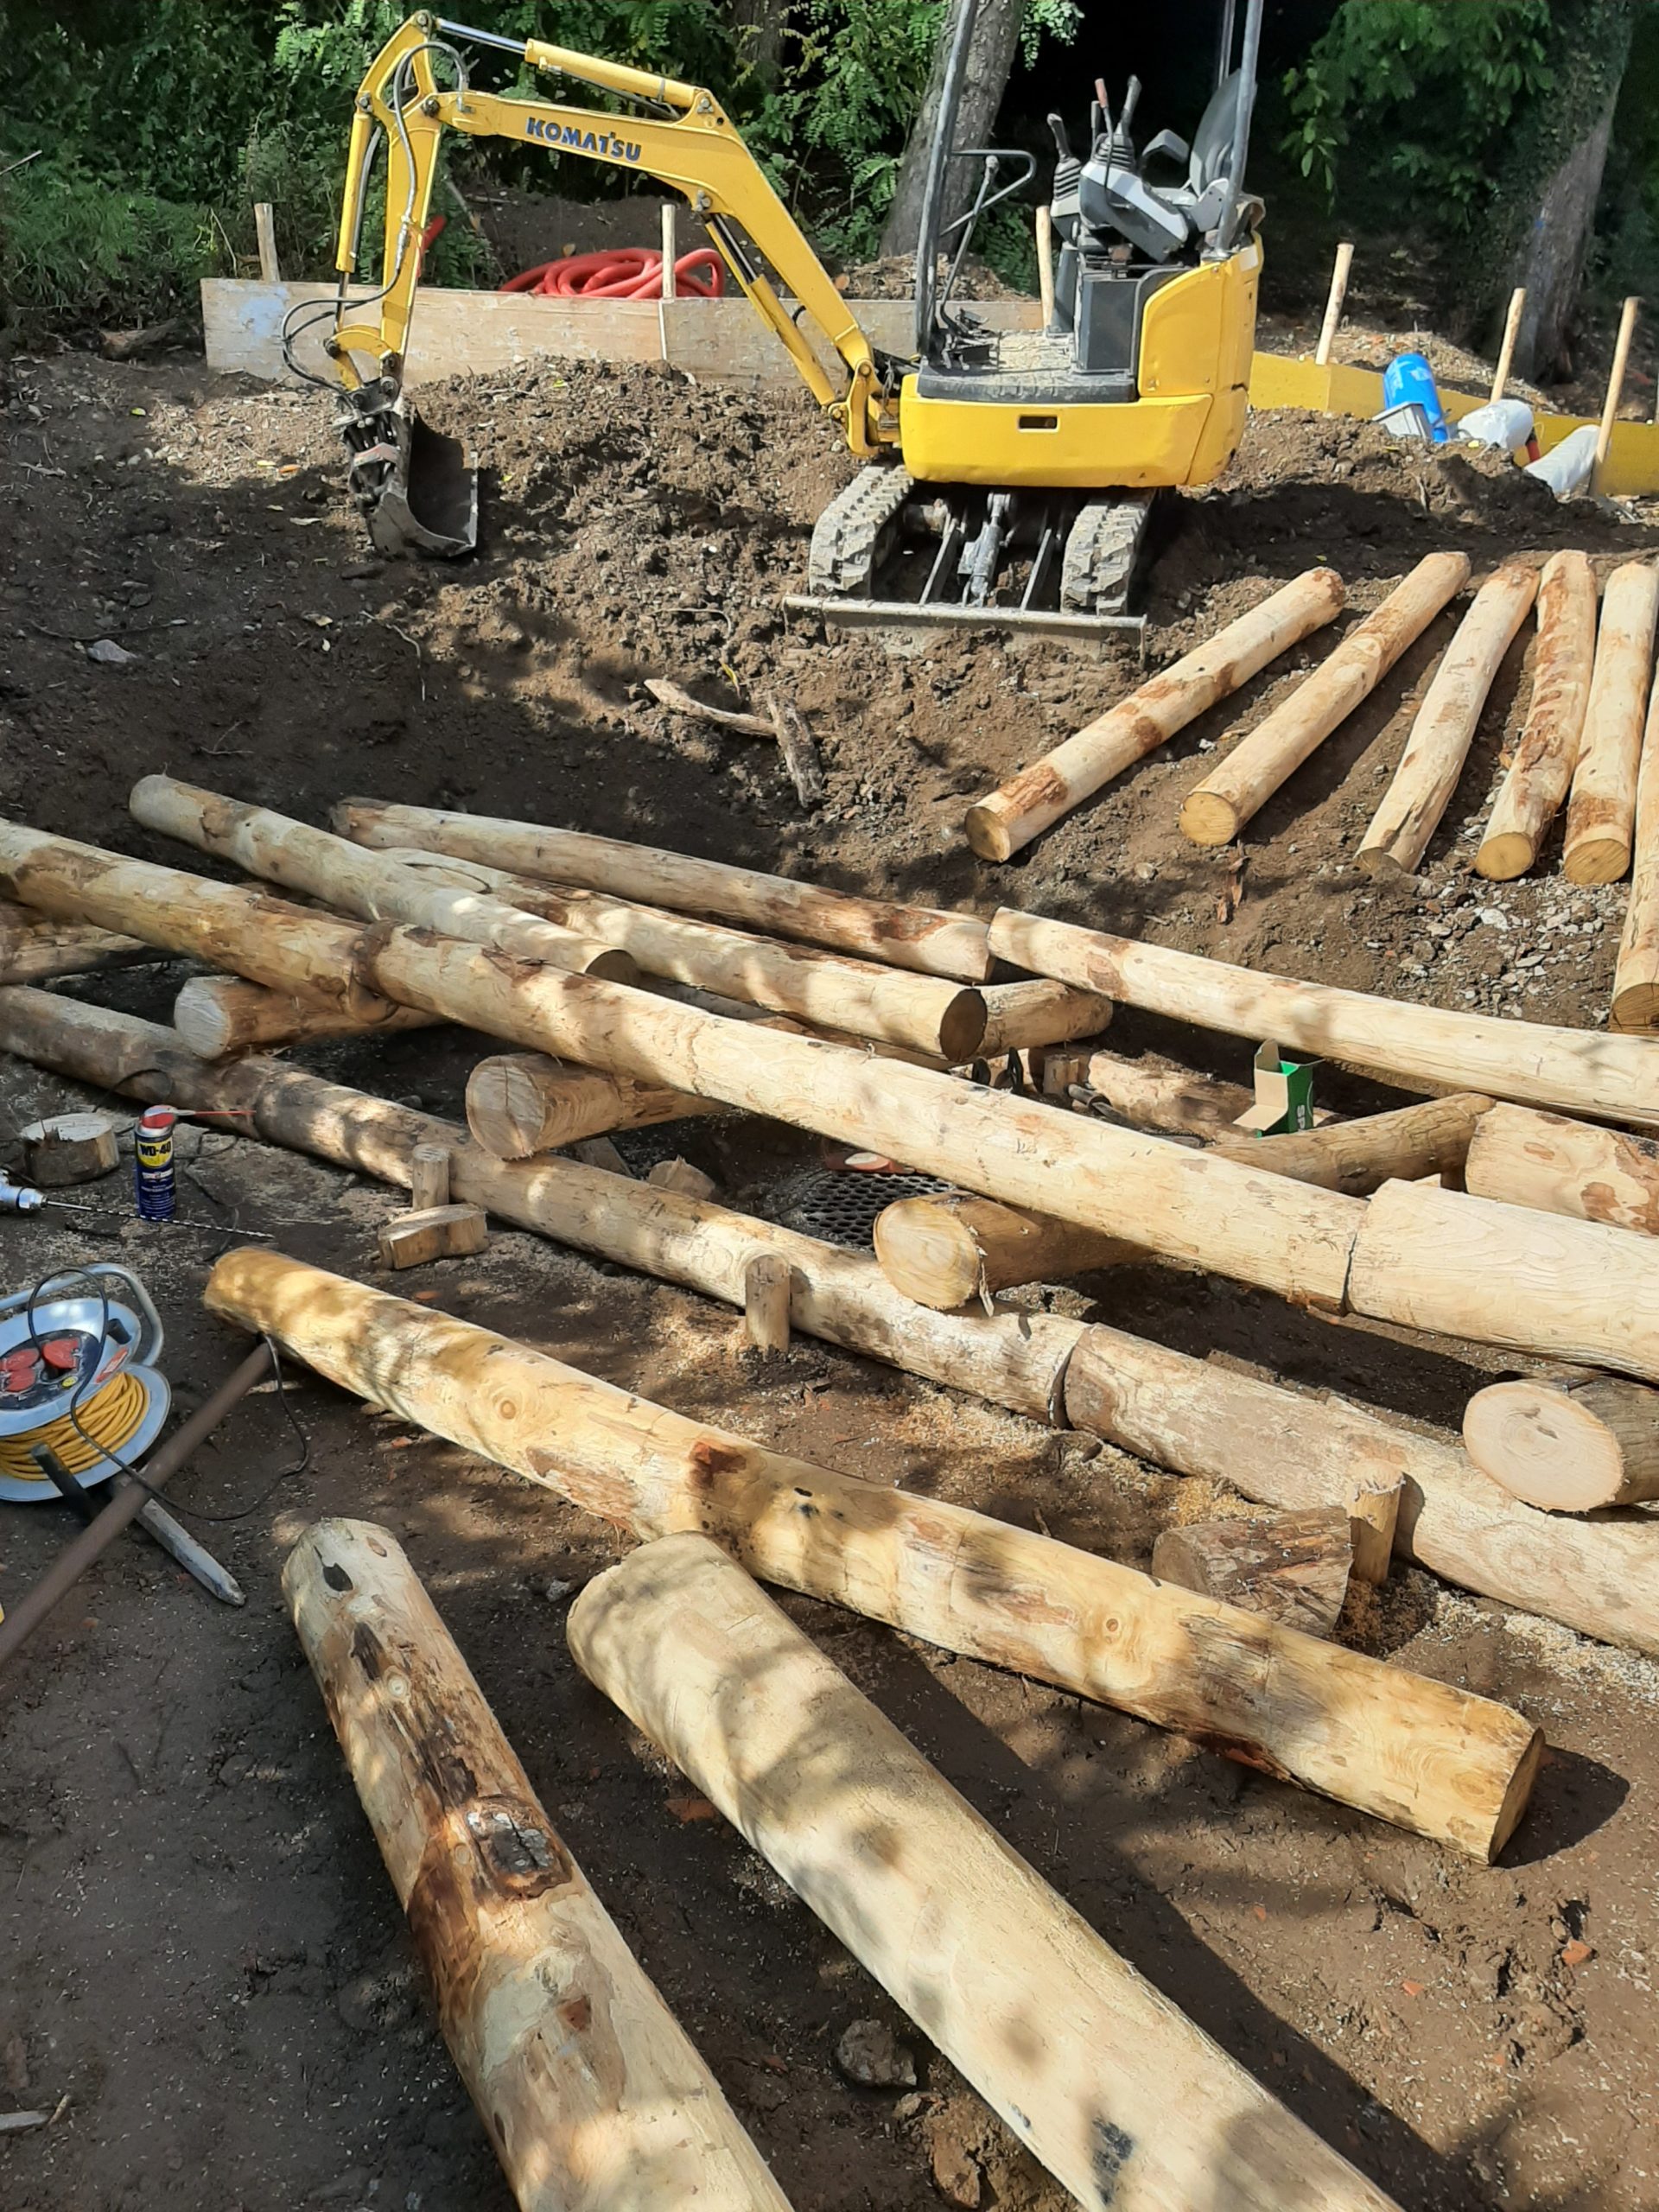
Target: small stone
column 108, row 654
column 956, row 2174
column 872, row 2056
column 1494, row 917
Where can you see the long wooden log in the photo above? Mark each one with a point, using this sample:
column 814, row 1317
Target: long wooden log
column 1559, row 1165
column 519, row 1103
column 1636, row 978
column 36, row 952
column 925, row 938
column 1247, row 778
column 1361, row 1155
column 1189, row 1205
column 599, row 937
column 1567, row 1443
column 1021, row 1016
column 1026, row 806
column 1601, row 812
column 1444, row 727
column 216, row 1014
column 1426, row 1755
column 1537, row 777
column 592, row 2095
column 945, row 1249
column 927, row 1895
column 1613, row 1079
column 1281, row 1448
column 1153, row 1093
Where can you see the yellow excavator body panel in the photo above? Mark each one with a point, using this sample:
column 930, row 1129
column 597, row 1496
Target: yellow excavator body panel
column 1198, row 335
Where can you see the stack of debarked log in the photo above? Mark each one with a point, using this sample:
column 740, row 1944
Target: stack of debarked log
column 844, row 1016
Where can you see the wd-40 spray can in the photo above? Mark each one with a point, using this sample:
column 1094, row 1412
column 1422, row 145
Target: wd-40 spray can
column 155, row 1185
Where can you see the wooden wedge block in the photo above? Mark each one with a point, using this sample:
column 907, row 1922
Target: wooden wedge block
column 434, row 1233
column 67, row 1148
column 1292, row 1567
column 680, row 1175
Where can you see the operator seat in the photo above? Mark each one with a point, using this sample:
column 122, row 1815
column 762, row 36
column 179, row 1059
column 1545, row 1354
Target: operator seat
column 1161, row 221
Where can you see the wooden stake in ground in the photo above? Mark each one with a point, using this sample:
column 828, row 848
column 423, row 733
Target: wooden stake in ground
column 1426, row 1756
column 1045, row 261
column 519, row 1103
column 1333, row 305
column 264, row 227
column 216, row 1014
column 998, row 826
column 945, row 1249
column 1557, row 1166
column 957, row 1929
column 429, row 1176
column 1506, row 351
column 1281, row 1448
column 1292, row 1567
column 1601, row 813
column 1615, row 1079
column 1567, row 1443
column 1635, row 978
column 588, row 2089
column 1445, row 725
column 1536, row 782
column 920, row 938
column 1615, row 389
column 1221, row 805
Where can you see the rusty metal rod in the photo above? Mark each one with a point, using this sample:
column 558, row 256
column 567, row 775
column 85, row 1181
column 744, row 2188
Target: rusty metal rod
column 128, row 1503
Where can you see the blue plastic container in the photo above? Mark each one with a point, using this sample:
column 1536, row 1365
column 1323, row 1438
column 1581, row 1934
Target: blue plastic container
column 1408, row 376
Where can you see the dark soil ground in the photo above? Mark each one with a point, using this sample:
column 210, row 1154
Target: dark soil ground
column 203, row 1955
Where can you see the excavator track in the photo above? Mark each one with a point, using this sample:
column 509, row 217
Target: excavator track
column 1102, row 549
column 854, row 534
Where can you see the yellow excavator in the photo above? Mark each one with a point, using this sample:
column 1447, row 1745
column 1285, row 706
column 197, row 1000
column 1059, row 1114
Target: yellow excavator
column 1024, row 462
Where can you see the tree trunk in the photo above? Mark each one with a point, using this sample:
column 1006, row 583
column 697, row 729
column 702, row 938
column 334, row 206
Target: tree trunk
column 590, row 2092
column 1053, row 2028
column 1420, row 1753
column 990, row 61
column 1550, row 264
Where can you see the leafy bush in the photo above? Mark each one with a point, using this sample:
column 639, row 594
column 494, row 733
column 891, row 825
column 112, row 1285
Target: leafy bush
column 78, row 251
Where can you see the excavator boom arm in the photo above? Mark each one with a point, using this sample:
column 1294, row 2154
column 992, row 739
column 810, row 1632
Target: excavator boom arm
column 695, row 151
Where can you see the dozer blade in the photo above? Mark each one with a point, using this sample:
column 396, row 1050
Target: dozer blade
column 416, row 488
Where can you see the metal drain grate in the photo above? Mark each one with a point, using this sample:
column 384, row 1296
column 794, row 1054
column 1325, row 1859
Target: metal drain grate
column 841, row 1205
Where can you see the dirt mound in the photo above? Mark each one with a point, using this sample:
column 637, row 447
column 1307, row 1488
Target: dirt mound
column 894, row 278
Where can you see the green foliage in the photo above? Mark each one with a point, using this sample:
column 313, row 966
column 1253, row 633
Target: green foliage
column 77, row 249
column 1429, row 93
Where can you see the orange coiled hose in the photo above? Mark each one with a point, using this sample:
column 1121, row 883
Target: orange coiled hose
column 622, row 272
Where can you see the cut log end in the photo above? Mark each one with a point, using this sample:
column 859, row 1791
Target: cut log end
column 988, row 833
column 1504, row 857
column 1635, row 1009
column 1208, row 819
column 1566, row 1446
column 1597, row 859
column 1384, row 865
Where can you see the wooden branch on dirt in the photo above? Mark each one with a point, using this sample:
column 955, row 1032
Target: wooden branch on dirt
column 669, row 694
column 1026, row 806
column 1293, row 1568
column 1218, row 808
column 800, row 754
column 1567, row 1443
column 1361, row 1155
column 1559, row 1165
column 1506, row 351
column 216, row 1014
column 923, row 938
column 946, row 1250
column 1429, row 1756
column 766, row 1301
column 1019, row 1016
column 1601, row 812
column 1444, row 727
column 1635, row 1009
column 1536, row 781
column 1613, row 1079
column 1334, row 304
column 69, row 1148
column 520, row 1103
column 1283, row 1448
column 588, row 2088
column 440, row 1232
column 1610, row 410
column 874, row 1840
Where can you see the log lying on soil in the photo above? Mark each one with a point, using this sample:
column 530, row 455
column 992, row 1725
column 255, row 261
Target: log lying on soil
column 1536, row 782
column 960, row 1931
column 1423, row 1755
column 1021, row 1016
column 1445, row 725
column 1613, row 1079
column 998, row 826
column 925, row 938
column 519, row 1103
column 216, row 1014
column 1635, row 978
column 1601, row 812
column 947, row 1248
column 1567, row 1443
column 1281, row 1447
column 1360, row 1156
column 597, row 936
column 36, row 952
column 1220, row 806
column 590, row 2092
column 1153, row 1094
column 1557, row 1166
column 1293, row 1568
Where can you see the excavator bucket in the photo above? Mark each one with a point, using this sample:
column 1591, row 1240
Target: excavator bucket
column 416, row 488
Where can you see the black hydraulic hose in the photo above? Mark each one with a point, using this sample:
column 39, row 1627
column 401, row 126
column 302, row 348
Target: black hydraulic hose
column 938, row 157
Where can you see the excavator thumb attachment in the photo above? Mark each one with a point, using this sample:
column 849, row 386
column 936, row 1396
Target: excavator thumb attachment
column 414, row 488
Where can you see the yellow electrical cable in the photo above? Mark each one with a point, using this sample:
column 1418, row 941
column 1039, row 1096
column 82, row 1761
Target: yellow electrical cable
column 110, row 1419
